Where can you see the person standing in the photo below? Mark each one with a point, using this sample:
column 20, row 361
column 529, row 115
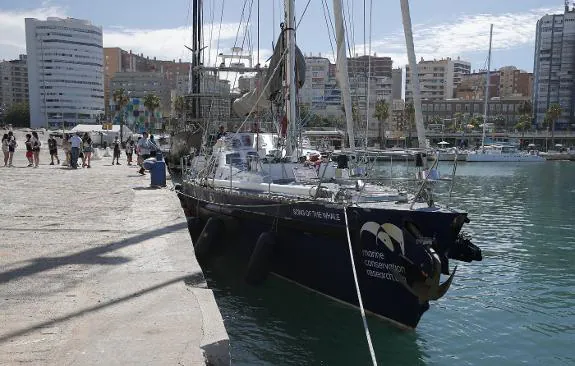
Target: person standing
column 117, row 148
column 12, row 145
column 87, row 150
column 5, row 149
column 53, row 148
column 75, row 143
column 153, row 146
column 36, row 148
column 66, row 147
column 129, row 150
column 144, row 152
column 29, row 151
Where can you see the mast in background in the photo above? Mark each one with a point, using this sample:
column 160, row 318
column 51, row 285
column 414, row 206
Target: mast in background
column 487, row 88
column 291, row 112
column 196, row 58
column 414, row 73
column 342, row 74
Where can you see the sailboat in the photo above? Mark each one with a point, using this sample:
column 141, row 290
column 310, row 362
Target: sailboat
column 502, row 152
column 339, row 236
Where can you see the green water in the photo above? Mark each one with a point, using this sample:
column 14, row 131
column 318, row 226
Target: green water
column 516, row 307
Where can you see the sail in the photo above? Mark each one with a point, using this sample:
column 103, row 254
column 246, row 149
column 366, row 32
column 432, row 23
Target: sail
column 244, row 104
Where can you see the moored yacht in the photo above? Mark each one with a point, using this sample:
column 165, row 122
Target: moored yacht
column 503, row 153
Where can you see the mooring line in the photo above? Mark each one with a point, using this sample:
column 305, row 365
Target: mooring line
column 362, row 310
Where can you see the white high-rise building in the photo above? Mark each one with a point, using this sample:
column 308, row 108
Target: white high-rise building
column 438, row 79
column 554, row 69
column 65, row 71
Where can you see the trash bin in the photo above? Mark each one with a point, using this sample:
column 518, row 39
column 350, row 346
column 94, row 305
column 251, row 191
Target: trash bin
column 157, row 168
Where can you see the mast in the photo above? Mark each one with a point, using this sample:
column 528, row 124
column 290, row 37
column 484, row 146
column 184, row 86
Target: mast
column 487, row 88
column 291, row 111
column 196, row 49
column 414, row 73
column 342, row 74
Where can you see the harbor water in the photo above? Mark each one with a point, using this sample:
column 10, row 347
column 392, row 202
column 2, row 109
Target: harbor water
column 516, row 307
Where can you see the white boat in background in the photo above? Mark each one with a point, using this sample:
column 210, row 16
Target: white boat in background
column 449, row 154
column 503, row 153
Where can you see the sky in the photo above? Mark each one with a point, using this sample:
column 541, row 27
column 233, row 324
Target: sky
column 442, row 28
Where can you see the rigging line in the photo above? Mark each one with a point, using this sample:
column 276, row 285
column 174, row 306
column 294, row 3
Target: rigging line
column 212, row 11
column 346, row 32
column 258, row 58
column 186, row 23
column 246, row 32
column 238, row 31
column 350, row 28
column 353, row 23
column 220, row 31
column 203, row 41
column 361, row 308
column 367, row 114
column 329, row 25
column 302, row 14
column 364, row 39
column 264, row 88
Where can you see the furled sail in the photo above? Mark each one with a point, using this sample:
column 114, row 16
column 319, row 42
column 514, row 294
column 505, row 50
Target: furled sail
column 244, row 104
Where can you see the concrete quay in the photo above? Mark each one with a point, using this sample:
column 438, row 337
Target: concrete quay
column 96, row 268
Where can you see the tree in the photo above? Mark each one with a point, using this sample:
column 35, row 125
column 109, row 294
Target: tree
column 553, row 114
column 523, row 123
column 408, row 120
column 180, row 105
column 381, row 114
column 18, row 115
column 151, row 102
column 458, row 121
column 120, row 100
column 525, row 108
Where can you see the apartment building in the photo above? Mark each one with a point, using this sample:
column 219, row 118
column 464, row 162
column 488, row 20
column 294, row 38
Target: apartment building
column 13, row 82
column 65, row 71
column 554, row 67
column 438, row 79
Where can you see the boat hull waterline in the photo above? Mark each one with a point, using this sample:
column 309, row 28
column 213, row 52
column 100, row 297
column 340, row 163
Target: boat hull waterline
column 311, row 246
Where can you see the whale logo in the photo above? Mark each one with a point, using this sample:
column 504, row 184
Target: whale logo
column 387, row 234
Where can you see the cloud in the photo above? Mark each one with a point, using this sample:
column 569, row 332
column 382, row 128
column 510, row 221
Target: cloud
column 166, row 44
column 12, row 28
column 469, row 34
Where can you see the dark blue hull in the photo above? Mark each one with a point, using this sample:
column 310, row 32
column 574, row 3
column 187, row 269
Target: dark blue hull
column 312, row 248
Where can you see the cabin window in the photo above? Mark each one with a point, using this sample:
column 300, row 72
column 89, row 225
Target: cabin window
column 233, row 158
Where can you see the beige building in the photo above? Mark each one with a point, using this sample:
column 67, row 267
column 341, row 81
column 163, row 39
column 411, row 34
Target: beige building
column 13, row 82
column 118, row 60
column 438, row 78
column 503, row 112
column 515, row 82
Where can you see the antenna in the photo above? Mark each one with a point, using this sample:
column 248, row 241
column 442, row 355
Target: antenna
column 566, row 6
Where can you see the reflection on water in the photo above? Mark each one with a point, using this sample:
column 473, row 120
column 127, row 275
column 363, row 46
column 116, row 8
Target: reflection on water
column 515, row 307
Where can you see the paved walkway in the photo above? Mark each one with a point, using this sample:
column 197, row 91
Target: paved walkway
column 98, row 269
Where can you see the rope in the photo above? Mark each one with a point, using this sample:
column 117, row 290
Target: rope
column 362, row 310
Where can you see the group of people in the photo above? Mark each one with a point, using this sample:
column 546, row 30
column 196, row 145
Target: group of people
column 8, row 147
column 32, row 143
column 76, row 146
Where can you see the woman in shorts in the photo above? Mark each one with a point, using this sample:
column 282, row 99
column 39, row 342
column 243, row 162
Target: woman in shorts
column 87, row 150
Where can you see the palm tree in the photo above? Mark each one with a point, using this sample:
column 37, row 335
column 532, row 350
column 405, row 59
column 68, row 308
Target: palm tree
column 409, row 119
column 553, row 114
column 151, row 102
column 381, row 114
column 120, row 100
column 523, row 123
